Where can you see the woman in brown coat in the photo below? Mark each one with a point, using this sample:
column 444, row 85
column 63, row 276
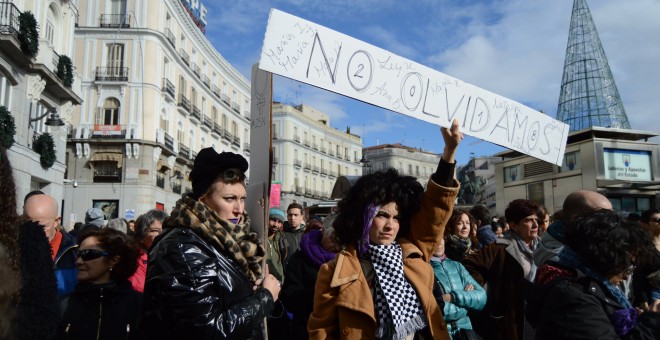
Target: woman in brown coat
column 381, row 285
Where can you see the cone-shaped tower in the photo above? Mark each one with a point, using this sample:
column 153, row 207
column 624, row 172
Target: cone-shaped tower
column 588, row 95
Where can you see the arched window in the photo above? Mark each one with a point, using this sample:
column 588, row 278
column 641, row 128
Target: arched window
column 164, row 121
column 110, row 112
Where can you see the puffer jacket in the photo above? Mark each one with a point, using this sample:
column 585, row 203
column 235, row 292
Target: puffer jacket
column 100, row 311
column 453, row 278
column 66, row 271
column 194, row 292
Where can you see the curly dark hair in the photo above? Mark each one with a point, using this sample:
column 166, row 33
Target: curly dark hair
column 521, row 208
column 455, row 217
column 116, row 243
column 606, row 242
column 377, row 188
column 145, row 220
column 646, row 215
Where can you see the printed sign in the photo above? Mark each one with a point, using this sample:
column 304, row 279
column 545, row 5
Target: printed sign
column 313, row 54
column 630, row 165
column 275, row 192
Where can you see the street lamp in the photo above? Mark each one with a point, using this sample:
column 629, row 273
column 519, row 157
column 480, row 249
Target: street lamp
column 54, row 119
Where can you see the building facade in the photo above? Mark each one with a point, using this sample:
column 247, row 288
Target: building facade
column 406, row 160
column 620, row 164
column 31, row 86
column 155, row 93
column 309, row 155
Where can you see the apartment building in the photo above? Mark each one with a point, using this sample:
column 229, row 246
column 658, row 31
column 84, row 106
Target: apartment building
column 309, row 155
column 407, row 160
column 155, row 92
column 32, row 89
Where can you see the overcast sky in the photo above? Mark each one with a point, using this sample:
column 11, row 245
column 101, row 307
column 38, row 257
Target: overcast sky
column 514, row 48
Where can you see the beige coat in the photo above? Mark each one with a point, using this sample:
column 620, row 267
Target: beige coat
column 343, row 303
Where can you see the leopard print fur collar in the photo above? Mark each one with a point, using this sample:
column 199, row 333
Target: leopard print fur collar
column 236, row 241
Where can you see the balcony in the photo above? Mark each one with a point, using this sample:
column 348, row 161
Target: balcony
column 307, row 167
column 206, row 81
column 276, row 160
column 9, row 19
column 299, row 190
column 196, row 113
column 315, row 146
column 296, row 139
column 169, row 88
column 170, row 37
column 225, row 98
column 195, row 68
column 324, row 171
column 247, row 115
column 169, row 142
column 217, row 129
column 111, row 74
column 323, row 150
column 276, row 136
column 214, row 89
column 184, row 102
column 208, row 123
column 306, row 142
column 315, row 169
column 115, row 20
column 227, row 135
column 184, row 151
column 235, row 107
column 297, row 163
column 184, row 56
column 109, row 131
column 236, row 141
column 246, row 147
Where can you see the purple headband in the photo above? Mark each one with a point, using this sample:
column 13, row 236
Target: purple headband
column 369, row 214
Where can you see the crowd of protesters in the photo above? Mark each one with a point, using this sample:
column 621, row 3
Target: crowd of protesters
column 392, row 261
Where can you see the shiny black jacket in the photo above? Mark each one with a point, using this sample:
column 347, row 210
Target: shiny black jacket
column 194, row 292
column 100, row 311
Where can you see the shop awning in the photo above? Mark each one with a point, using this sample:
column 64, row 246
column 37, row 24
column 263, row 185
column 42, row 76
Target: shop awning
column 107, row 157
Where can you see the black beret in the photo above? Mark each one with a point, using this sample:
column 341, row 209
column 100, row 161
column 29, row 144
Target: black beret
column 209, row 165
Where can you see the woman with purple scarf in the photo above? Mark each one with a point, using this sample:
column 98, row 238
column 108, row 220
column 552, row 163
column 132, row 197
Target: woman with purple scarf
column 317, row 246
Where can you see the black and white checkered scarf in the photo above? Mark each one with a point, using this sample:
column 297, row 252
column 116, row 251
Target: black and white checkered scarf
column 398, row 310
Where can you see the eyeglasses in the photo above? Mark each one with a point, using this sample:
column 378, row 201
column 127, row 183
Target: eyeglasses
column 655, row 219
column 92, row 254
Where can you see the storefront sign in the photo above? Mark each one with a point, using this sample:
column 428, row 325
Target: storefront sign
column 197, row 12
column 630, row 165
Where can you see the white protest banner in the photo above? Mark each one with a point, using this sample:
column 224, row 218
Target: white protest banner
column 304, row 51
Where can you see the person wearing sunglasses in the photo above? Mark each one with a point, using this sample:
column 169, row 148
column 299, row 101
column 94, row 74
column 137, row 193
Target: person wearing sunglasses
column 103, row 304
column 579, row 296
column 205, row 278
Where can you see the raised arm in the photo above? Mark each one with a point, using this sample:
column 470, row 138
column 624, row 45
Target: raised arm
column 428, row 224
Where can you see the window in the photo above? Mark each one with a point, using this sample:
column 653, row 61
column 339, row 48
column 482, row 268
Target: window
column 118, row 6
column 106, row 172
column 50, row 32
column 535, row 193
column 164, row 121
column 115, row 56
column 182, row 85
column 5, row 91
column 109, row 114
column 214, row 114
column 224, row 121
column 511, row 173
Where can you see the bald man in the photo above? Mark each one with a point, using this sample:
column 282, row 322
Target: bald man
column 576, row 204
column 43, row 209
